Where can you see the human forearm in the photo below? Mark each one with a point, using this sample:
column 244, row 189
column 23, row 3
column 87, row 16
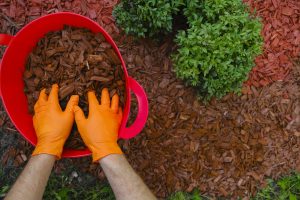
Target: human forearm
column 99, row 132
column 125, row 183
column 32, row 181
column 52, row 126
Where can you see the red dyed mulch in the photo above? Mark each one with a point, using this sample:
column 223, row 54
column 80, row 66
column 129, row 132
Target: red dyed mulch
column 281, row 32
column 15, row 14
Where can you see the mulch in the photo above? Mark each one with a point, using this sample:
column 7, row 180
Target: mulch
column 281, row 33
column 224, row 147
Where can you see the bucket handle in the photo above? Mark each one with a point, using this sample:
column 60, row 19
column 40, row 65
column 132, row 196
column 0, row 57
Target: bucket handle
column 5, row 39
column 141, row 118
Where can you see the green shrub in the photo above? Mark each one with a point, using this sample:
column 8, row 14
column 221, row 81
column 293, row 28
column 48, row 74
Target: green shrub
column 193, row 10
column 217, row 52
column 146, row 17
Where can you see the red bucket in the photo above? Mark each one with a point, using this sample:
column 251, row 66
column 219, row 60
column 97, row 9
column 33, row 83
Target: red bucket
column 13, row 66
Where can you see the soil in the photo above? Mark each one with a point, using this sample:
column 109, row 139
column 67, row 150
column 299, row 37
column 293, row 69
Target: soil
column 225, row 148
column 78, row 61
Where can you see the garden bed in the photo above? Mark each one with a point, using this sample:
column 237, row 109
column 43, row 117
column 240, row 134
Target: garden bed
column 226, row 147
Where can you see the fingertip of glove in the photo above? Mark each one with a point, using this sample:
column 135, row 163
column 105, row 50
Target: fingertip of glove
column 91, row 92
column 75, row 97
column 55, row 85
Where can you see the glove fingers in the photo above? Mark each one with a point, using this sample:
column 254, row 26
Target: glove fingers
column 79, row 115
column 93, row 102
column 105, row 99
column 115, row 103
column 72, row 102
column 43, row 96
column 53, row 96
column 40, row 108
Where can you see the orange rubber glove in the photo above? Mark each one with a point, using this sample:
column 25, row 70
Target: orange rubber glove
column 51, row 124
column 100, row 130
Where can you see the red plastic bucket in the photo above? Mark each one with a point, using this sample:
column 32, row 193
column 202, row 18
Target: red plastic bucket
column 13, row 65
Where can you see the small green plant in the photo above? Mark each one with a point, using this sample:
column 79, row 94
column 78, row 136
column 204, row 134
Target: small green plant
column 3, row 191
column 217, row 52
column 287, row 188
column 195, row 195
column 59, row 187
column 146, row 18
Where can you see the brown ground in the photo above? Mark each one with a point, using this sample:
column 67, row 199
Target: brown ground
column 224, row 148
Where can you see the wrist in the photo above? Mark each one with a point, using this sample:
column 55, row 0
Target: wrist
column 112, row 158
column 44, row 157
column 104, row 149
column 50, row 148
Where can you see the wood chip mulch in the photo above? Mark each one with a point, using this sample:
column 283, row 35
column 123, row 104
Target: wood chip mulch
column 14, row 14
column 281, row 33
column 224, row 148
column 5, row 123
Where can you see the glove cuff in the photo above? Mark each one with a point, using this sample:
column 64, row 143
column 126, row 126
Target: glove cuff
column 51, row 149
column 105, row 149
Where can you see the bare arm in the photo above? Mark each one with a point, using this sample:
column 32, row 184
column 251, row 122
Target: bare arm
column 124, row 181
column 32, row 181
column 52, row 127
column 99, row 132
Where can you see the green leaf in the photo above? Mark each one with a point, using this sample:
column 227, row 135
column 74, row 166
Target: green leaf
column 292, row 197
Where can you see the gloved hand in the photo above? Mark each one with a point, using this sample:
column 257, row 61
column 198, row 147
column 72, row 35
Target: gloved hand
column 51, row 124
column 100, row 130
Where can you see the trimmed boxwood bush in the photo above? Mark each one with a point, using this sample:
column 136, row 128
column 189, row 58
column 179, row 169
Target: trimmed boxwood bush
column 146, row 17
column 217, row 51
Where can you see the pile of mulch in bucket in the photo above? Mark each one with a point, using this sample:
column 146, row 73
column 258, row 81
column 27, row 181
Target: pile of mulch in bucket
column 281, row 32
column 78, row 61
